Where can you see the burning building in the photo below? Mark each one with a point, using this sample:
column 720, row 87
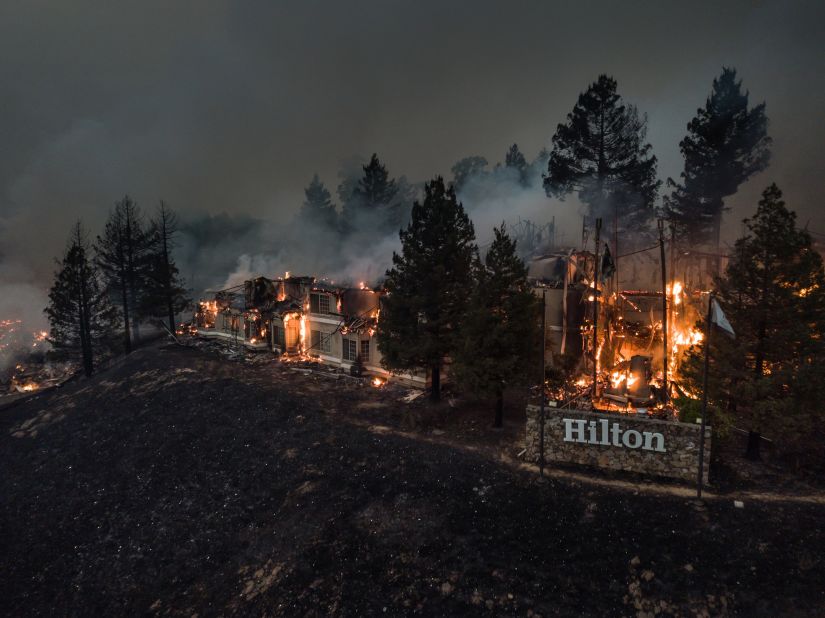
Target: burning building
column 302, row 318
column 626, row 342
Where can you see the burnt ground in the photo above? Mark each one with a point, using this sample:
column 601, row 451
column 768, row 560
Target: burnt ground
column 180, row 483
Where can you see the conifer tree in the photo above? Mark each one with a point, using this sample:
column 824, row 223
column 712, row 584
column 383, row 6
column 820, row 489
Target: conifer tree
column 601, row 154
column 318, row 209
column 372, row 202
column 466, row 169
column 771, row 377
column 429, row 286
column 82, row 321
column 121, row 254
column 164, row 293
column 498, row 343
column 726, row 144
column 514, row 160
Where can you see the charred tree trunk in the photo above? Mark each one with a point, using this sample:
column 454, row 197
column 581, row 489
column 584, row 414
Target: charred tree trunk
column 499, row 420
column 435, row 392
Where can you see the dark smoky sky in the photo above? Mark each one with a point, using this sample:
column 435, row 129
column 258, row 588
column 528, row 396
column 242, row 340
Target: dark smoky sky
column 230, row 107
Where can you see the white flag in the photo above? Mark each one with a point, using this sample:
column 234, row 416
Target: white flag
column 717, row 316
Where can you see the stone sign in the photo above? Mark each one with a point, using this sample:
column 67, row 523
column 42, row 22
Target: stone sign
column 619, row 442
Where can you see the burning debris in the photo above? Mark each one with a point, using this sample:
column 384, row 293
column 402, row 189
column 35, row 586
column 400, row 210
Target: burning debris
column 23, row 357
column 611, row 341
column 301, row 319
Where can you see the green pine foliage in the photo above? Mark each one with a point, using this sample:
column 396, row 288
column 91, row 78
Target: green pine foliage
column 164, row 292
column 726, row 144
column 601, row 154
column 771, row 377
column 467, row 169
column 81, row 318
column 514, row 160
column 122, row 255
column 429, row 286
column 500, row 337
column 372, row 203
column 318, row 209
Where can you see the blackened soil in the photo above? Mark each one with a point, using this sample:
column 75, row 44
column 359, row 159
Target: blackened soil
column 179, row 484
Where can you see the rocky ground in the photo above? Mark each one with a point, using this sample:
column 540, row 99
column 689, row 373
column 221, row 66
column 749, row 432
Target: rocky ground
column 179, row 482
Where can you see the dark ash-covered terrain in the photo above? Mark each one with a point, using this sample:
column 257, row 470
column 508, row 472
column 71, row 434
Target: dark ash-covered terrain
column 179, row 483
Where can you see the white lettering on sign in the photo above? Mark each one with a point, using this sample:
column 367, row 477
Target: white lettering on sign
column 605, row 434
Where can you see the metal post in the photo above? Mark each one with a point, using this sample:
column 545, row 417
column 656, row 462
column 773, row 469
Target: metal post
column 616, row 249
column 708, row 330
column 596, row 309
column 661, row 224
column 543, row 378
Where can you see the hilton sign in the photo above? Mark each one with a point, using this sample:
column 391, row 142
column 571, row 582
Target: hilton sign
column 603, row 433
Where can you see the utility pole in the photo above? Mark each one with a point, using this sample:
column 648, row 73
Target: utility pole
column 596, row 310
column 661, row 225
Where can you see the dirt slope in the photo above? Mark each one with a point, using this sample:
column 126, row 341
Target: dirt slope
column 178, row 484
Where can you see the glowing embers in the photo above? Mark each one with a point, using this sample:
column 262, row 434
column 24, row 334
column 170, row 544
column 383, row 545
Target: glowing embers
column 207, row 314
column 629, row 381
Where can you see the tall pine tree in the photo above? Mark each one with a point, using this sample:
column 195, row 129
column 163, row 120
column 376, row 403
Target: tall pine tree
column 771, row 377
column 601, row 154
column 429, row 286
column 318, row 209
column 467, row 169
column 498, row 343
column 726, row 144
column 81, row 318
column 122, row 253
column 515, row 161
column 164, row 293
column 372, row 204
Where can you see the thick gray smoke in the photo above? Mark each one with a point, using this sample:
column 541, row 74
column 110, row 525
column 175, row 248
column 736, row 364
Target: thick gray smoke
column 491, row 197
column 233, row 110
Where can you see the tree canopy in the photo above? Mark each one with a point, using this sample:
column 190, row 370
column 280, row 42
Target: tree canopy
column 82, row 320
column 601, row 154
column 771, row 377
column 500, row 335
column 726, row 144
column 428, row 286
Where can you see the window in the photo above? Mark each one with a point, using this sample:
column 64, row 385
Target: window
column 365, row 350
column 320, row 341
column 350, row 349
column 279, row 336
column 319, row 303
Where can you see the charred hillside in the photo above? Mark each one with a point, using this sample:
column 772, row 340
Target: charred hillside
column 178, row 483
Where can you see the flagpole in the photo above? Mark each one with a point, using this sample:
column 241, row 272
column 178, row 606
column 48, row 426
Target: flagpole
column 708, row 331
column 596, row 312
column 661, row 224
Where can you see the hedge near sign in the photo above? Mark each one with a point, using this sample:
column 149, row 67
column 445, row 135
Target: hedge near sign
column 618, row 442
